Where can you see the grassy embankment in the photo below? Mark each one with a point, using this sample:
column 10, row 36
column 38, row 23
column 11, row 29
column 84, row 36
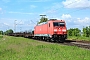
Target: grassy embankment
column 1, row 36
column 18, row 48
column 79, row 38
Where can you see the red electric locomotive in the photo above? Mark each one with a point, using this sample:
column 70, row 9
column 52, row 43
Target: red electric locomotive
column 52, row 30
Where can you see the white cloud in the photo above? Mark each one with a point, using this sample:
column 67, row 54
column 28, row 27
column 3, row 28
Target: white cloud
column 83, row 22
column 20, row 13
column 30, row 25
column 76, row 22
column 1, row 12
column 76, row 3
column 33, row 6
column 56, row 6
column 66, row 16
column 53, row 9
column 1, row 25
column 20, row 22
column 6, row 24
column 0, row 9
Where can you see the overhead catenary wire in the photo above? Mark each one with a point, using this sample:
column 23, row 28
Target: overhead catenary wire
column 61, row 7
column 70, row 3
column 66, row 5
column 33, row 22
column 78, row 10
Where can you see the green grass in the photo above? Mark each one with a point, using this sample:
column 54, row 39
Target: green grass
column 79, row 38
column 18, row 48
column 1, row 37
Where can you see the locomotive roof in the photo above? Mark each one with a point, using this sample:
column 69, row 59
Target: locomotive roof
column 54, row 20
column 42, row 23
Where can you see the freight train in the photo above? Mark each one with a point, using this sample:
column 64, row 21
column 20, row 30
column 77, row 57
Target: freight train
column 52, row 30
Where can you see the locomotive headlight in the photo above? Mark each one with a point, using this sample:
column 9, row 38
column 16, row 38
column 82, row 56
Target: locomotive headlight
column 55, row 30
column 64, row 30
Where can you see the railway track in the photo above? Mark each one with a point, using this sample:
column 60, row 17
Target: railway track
column 80, row 44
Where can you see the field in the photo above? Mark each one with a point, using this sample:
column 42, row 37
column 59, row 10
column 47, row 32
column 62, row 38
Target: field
column 19, row 48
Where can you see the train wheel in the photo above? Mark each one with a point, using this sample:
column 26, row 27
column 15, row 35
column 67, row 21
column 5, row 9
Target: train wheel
column 51, row 39
column 43, row 38
column 47, row 39
column 62, row 40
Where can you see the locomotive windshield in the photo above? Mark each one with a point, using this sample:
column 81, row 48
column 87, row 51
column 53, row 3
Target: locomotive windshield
column 58, row 24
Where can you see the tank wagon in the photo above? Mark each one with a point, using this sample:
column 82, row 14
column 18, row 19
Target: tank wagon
column 52, row 30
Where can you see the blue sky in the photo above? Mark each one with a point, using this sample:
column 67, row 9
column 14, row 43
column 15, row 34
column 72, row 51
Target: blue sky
column 76, row 13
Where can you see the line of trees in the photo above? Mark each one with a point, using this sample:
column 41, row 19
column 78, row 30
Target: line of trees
column 6, row 32
column 77, row 32
column 71, row 32
column 86, row 31
column 74, row 32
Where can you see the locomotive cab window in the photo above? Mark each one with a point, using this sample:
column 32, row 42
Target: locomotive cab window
column 49, row 24
column 58, row 24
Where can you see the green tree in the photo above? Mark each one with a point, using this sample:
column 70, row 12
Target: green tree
column 89, row 31
column 74, row 32
column 77, row 32
column 8, row 32
column 1, row 32
column 70, row 31
column 84, row 32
